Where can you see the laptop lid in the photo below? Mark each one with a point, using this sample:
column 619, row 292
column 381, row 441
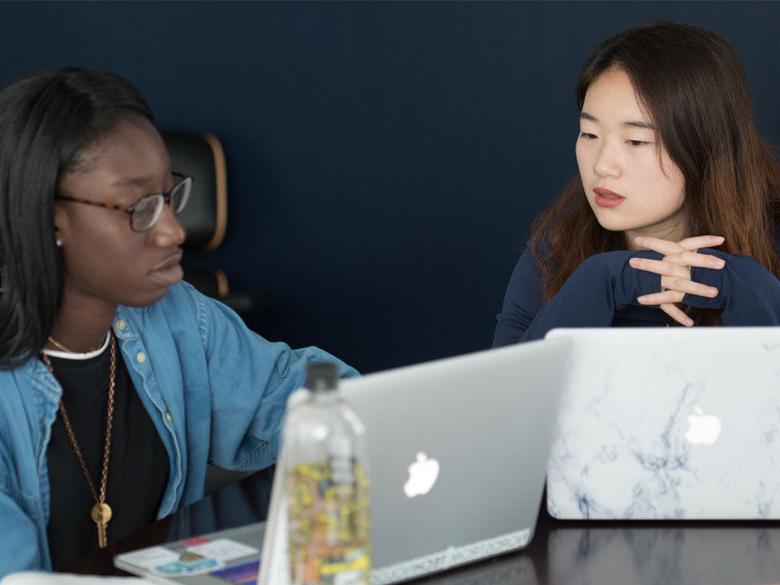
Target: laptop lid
column 660, row 423
column 484, row 421
column 457, row 454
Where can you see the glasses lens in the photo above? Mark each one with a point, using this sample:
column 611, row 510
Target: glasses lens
column 147, row 212
column 181, row 195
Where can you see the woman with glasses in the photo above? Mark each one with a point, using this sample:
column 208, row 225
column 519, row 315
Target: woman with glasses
column 672, row 219
column 118, row 381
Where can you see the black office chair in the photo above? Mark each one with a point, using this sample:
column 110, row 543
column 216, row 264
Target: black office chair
column 205, row 219
column 201, row 156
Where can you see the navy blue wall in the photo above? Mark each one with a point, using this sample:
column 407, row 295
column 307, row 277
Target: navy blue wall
column 385, row 160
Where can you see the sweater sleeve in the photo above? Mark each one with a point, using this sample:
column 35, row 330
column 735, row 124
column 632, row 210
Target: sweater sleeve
column 748, row 293
column 598, row 287
column 250, row 380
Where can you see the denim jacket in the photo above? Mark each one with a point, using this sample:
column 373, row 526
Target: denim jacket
column 215, row 391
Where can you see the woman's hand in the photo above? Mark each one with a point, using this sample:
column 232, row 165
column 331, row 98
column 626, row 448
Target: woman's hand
column 675, row 270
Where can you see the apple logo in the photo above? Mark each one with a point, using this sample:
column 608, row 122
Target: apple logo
column 702, row 428
column 422, row 476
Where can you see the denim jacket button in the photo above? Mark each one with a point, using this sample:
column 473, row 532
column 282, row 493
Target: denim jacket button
column 168, row 416
column 121, row 324
column 140, row 357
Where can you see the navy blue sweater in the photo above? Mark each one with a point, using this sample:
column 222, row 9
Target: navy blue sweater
column 602, row 292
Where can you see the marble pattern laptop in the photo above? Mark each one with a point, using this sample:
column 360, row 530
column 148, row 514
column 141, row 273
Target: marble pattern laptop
column 668, row 423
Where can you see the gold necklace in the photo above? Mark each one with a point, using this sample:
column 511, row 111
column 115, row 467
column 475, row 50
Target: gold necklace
column 58, row 345
column 101, row 512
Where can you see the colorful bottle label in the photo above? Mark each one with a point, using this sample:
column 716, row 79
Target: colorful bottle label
column 329, row 529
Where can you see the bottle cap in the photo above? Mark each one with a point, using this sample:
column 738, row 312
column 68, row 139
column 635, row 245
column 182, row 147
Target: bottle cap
column 321, row 376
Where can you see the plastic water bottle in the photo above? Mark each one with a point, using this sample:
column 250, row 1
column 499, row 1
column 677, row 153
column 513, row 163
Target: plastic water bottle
column 326, row 486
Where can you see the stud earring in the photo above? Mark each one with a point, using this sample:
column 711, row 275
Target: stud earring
column 58, row 242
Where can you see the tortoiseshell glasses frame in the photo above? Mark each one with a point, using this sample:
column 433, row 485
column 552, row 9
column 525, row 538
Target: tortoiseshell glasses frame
column 145, row 213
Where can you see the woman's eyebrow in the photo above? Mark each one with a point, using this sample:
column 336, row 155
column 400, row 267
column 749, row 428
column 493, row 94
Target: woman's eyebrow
column 137, row 181
column 628, row 124
column 134, row 181
column 639, row 124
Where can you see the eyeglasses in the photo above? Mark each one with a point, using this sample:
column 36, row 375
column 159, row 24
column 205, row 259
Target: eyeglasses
column 145, row 212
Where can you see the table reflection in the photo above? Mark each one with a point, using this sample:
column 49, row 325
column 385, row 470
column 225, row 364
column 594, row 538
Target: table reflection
column 660, row 555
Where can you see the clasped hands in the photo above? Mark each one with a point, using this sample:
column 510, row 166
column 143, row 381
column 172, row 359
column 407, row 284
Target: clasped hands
column 675, row 270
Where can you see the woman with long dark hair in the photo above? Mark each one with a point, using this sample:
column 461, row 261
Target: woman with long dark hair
column 672, row 219
column 118, row 382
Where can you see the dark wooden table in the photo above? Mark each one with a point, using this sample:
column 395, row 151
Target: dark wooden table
column 561, row 553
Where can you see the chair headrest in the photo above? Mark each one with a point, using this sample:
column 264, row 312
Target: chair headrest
column 201, row 156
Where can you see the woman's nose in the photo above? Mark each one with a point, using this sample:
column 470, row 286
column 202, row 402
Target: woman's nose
column 168, row 231
column 608, row 161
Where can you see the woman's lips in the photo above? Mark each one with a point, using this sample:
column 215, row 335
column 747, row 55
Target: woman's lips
column 607, row 198
column 168, row 274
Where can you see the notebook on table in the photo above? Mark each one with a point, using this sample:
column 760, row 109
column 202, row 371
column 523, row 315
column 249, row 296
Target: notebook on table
column 217, row 558
column 457, row 455
column 668, row 423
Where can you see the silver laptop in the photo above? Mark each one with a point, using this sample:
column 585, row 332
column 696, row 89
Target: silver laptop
column 484, row 421
column 660, row 423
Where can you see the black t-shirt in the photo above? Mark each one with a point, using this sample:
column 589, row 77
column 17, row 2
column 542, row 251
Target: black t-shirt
column 138, row 465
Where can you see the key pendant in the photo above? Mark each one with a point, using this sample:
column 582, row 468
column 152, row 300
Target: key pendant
column 101, row 514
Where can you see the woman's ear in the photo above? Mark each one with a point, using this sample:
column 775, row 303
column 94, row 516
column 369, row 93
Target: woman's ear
column 60, row 224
